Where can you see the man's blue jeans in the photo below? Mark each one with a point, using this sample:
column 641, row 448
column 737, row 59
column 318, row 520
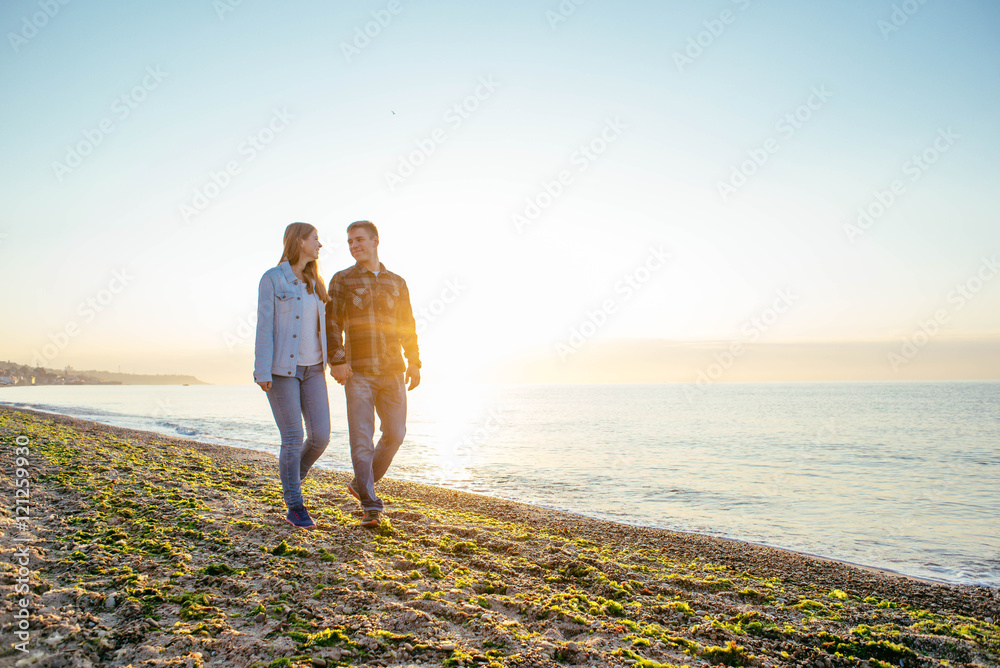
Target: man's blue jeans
column 291, row 399
column 366, row 395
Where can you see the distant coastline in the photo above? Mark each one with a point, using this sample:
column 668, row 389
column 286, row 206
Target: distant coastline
column 14, row 375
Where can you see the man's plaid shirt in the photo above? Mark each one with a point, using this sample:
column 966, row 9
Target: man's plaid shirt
column 375, row 315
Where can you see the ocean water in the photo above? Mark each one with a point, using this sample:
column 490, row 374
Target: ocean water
column 902, row 476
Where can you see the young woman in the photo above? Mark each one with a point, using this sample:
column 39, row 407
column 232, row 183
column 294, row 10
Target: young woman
column 290, row 360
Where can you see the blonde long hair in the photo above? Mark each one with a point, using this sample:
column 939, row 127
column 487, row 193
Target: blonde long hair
column 314, row 282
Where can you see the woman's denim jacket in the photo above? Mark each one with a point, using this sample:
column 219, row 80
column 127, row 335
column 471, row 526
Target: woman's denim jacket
column 279, row 323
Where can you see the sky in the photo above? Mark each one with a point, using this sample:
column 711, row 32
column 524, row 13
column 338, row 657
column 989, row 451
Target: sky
column 576, row 191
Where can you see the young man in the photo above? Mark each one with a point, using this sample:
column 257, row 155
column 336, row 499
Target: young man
column 370, row 307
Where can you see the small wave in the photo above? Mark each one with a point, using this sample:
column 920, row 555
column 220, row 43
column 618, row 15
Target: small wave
column 184, row 431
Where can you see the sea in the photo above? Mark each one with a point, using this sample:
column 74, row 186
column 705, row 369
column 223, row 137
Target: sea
column 903, row 476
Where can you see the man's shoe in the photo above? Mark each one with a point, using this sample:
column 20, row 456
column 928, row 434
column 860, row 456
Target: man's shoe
column 370, row 518
column 299, row 517
column 350, row 490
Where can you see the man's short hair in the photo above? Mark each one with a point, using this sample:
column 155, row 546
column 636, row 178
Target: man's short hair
column 367, row 225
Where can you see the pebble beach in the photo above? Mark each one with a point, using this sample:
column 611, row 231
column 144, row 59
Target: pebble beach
column 150, row 550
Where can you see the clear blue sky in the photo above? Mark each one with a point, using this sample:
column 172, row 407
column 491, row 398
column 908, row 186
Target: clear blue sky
column 678, row 133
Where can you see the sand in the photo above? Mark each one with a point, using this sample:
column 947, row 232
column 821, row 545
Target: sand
column 149, row 550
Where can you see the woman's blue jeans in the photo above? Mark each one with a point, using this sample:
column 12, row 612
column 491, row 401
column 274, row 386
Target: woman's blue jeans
column 291, row 399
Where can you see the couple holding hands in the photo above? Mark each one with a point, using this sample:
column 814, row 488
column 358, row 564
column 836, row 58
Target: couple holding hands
column 358, row 327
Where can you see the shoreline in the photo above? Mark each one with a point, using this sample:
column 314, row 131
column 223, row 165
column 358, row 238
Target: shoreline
column 582, row 514
column 453, row 578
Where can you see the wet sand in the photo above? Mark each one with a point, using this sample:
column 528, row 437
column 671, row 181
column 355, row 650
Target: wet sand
column 150, row 550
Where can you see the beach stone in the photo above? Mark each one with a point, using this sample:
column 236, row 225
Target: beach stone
column 287, row 588
column 55, row 639
column 318, row 661
column 110, row 602
column 147, row 652
column 283, row 644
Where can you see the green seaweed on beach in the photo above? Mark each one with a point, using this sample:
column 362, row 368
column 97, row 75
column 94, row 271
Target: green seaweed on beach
column 172, row 546
column 282, row 549
column 195, row 605
column 216, row 569
column 729, row 655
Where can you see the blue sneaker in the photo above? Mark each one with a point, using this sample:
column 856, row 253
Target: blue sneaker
column 299, row 517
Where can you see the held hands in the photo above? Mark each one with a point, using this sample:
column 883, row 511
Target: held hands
column 341, row 372
column 412, row 377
